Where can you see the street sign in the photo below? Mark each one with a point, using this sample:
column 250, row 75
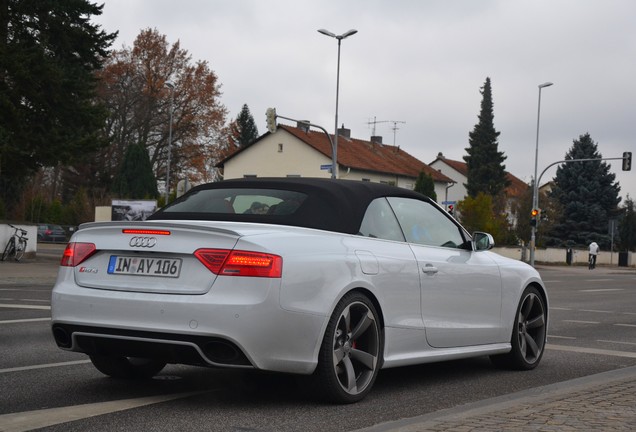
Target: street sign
column 325, row 167
column 449, row 202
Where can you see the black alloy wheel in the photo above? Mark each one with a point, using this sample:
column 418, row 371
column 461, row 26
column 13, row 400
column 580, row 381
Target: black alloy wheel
column 350, row 355
column 528, row 333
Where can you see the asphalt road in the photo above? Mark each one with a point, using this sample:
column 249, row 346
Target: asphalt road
column 592, row 329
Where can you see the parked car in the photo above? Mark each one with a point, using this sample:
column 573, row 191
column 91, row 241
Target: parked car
column 51, row 233
column 338, row 280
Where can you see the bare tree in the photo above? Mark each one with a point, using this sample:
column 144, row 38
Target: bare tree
column 133, row 85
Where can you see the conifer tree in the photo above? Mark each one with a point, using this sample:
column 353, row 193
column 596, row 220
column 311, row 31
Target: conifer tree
column 135, row 179
column 486, row 171
column 587, row 195
column 49, row 52
column 425, row 185
column 246, row 127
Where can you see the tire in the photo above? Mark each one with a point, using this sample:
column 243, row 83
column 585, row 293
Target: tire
column 127, row 367
column 9, row 249
column 528, row 334
column 351, row 351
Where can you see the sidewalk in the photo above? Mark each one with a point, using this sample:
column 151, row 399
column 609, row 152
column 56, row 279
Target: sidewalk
column 602, row 402
column 41, row 270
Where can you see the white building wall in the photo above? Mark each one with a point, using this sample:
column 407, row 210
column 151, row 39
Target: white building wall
column 277, row 155
column 458, row 191
column 400, row 181
column 349, row 174
column 559, row 255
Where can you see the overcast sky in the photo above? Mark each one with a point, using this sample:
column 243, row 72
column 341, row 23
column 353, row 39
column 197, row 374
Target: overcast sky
column 420, row 63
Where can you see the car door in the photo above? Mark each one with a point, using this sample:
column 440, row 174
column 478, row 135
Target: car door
column 461, row 289
column 389, row 264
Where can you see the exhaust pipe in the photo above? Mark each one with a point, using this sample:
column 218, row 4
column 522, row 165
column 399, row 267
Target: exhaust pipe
column 62, row 337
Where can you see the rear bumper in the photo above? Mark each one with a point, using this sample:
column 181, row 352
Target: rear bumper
column 171, row 348
column 238, row 323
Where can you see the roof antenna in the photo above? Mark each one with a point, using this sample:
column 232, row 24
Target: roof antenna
column 395, row 128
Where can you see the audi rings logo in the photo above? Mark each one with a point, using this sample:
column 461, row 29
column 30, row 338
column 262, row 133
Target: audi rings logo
column 145, row 242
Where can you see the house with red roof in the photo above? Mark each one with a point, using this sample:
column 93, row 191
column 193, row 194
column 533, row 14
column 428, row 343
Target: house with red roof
column 301, row 152
column 458, row 171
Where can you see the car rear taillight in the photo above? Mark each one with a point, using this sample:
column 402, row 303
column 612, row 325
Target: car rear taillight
column 226, row 262
column 76, row 253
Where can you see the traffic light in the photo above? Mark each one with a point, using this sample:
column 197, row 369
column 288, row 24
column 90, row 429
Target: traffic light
column 451, row 209
column 535, row 217
column 270, row 114
column 627, row 161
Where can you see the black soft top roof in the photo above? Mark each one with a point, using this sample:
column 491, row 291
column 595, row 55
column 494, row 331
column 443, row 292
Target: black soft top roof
column 332, row 205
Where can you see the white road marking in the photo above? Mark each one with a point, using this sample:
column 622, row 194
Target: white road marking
column 559, row 308
column 551, row 281
column 560, row 337
column 582, row 322
column 43, row 366
column 21, row 306
column 27, row 320
column 625, row 325
column 591, row 351
column 29, row 420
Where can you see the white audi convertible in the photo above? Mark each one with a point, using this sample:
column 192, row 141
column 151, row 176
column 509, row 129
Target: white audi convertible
column 329, row 278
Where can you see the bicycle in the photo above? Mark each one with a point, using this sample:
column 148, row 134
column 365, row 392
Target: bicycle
column 592, row 262
column 16, row 246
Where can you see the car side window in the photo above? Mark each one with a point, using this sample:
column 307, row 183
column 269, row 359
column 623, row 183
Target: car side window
column 379, row 222
column 425, row 224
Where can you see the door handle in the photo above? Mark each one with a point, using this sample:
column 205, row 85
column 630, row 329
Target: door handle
column 429, row 269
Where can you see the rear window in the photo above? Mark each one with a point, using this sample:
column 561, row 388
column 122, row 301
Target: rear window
column 239, row 201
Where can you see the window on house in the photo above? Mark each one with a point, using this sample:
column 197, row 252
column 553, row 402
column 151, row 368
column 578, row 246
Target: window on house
column 280, row 147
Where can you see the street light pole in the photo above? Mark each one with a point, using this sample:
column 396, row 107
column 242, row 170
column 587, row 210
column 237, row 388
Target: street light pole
column 535, row 188
column 339, row 38
column 170, row 85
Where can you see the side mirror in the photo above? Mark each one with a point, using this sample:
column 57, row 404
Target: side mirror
column 482, row 241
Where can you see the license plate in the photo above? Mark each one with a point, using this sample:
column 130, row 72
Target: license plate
column 141, row 266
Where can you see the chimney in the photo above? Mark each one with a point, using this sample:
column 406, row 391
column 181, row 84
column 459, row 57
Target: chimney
column 344, row 132
column 303, row 125
column 376, row 139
